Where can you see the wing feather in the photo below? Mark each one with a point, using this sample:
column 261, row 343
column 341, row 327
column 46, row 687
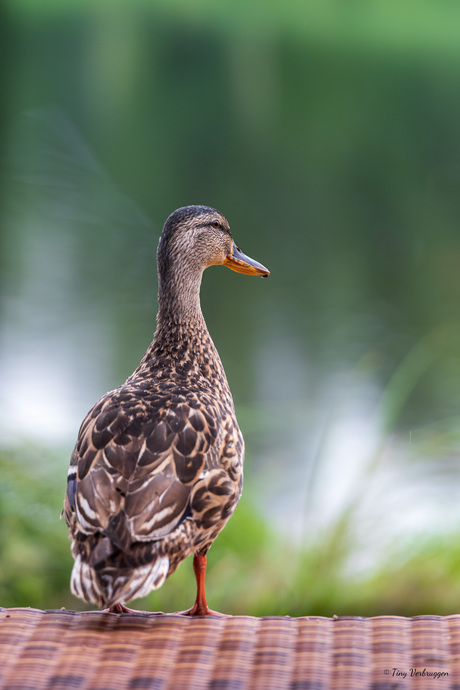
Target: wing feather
column 134, row 473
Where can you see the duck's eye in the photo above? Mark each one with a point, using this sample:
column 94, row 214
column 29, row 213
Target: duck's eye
column 215, row 224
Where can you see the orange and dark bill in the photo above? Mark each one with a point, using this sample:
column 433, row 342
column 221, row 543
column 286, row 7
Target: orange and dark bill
column 241, row 263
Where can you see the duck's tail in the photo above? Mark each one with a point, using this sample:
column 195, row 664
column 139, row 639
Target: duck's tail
column 109, row 585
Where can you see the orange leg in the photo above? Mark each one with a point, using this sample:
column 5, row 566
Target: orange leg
column 200, row 607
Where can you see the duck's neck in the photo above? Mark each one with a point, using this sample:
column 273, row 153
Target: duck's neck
column 182, row 342
column 179, row 299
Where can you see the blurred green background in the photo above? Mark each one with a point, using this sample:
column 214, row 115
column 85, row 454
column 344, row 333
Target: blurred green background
column 329, row 135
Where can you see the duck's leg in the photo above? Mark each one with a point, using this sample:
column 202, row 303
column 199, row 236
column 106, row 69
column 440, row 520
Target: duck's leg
column 119, row 608
column 200, row 607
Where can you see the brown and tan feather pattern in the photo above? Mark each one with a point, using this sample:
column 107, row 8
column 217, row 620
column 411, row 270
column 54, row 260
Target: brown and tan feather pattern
column 157, row 468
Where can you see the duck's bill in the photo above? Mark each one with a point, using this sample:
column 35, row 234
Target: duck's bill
column 241, row 263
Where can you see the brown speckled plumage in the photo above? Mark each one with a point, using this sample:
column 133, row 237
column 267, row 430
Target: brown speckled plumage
column 157, row 468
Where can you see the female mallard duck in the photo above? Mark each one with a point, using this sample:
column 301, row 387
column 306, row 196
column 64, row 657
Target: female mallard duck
column 157, row 468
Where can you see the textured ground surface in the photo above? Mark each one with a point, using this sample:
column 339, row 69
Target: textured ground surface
column 97, row 651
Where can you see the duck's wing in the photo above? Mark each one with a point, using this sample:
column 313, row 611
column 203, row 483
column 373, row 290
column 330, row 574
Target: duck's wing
column 137, row 472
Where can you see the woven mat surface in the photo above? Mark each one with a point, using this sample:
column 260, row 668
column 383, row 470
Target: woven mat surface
column 69, row 650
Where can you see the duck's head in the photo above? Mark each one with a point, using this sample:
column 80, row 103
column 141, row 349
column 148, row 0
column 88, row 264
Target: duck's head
column 199, row 236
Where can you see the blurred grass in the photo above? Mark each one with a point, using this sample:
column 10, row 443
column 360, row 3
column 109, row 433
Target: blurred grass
column 34, row 553
column 253, row 569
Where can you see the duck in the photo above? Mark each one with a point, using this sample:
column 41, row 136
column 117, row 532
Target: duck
column 157, row 468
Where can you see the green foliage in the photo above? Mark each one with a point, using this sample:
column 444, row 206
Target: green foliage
column 34, row 548
column 252, row 569
column 421, row 25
